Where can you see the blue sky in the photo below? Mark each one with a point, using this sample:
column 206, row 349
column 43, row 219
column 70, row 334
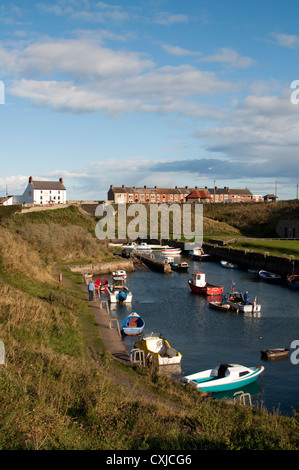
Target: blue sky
column 156, row 92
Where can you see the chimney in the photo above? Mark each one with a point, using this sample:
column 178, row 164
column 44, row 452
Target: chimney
column 61, row 180
column 30, row 179
column 122, row 185
column 186, row 187
column 145, row 187
column 155, row 187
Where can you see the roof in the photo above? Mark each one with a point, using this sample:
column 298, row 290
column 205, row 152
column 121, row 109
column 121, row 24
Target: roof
column 55, row 185
column 199, row 194
column 240, row 192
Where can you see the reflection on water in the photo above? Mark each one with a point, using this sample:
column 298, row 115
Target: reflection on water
column 207, row 337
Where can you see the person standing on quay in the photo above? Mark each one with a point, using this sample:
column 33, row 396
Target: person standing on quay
column 91, row 289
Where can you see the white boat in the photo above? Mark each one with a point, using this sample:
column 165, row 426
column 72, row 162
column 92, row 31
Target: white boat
column 237, row 302
column 118, row 292
column 120, row 273
column 198, row 254
column 158, row 349
column 228, row 265
column 224, row 377
column 171, row 251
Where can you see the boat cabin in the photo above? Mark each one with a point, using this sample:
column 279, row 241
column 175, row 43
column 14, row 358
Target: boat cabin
column 118, row 283
column 199, row 279
column 233, row 370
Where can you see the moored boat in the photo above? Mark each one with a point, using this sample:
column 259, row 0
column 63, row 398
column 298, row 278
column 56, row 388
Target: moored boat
column 117, row 292
column 293, row 281
column 240, row 302
column 228, row 265
column 270, row 277
column 158, row 349
column 197, row 254
column 101, row 285
column 274, row 353
column 224, row 307
column 183, row 266
column 171, row 251
column 224, row 377
column 121, row 273
column 254, row 271
column 198, row 285
column 133, row 324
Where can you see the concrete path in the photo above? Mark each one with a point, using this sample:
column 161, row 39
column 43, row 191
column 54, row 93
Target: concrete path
column 108, row 330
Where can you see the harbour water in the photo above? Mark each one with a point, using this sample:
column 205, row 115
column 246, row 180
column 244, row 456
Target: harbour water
column 206, row 337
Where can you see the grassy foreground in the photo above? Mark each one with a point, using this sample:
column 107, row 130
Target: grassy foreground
column 60, row 389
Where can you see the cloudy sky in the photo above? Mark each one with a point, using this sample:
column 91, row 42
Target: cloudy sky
column 155, row 92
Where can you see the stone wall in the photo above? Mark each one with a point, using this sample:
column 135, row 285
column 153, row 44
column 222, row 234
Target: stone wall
column 102, row 268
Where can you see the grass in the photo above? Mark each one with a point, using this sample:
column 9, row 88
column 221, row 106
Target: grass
column 284, row 248
column 60, row 388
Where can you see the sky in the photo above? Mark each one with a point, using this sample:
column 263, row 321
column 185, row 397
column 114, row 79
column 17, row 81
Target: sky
column 150, row 92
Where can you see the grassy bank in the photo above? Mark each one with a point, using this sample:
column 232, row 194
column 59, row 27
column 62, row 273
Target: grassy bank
column 60, row 389
column 285, row 248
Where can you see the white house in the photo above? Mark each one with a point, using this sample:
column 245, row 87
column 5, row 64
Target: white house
column 43, row 192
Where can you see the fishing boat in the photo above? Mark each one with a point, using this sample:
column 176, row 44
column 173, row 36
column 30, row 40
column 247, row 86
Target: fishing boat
column 117, row 292
column 293, row 281
column 101, row 285
column 274, row 353
column 198, row 285
column 240, row 303
column 224, row 377
column 183, row 266
column 120, row 273
column 270, row 277
column 171, row 251
column 133, row 324
column 197, row 254
column 222, row 306
column 158, row 349
column 228, row 265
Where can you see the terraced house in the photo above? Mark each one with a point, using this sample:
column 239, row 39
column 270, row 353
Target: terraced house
column 130, row 195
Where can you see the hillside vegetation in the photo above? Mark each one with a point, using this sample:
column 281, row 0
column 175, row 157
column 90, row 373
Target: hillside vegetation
column 253, row 219
column 60, row 388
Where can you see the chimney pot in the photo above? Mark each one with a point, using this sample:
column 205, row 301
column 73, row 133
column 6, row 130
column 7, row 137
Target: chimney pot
column 30, row 179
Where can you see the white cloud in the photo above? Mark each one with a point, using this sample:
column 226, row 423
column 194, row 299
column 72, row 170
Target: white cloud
column 290, row 41
column 229, row 56
column 179, row 51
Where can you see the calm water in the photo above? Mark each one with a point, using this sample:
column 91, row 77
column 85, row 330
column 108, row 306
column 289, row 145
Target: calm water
column 206, row 337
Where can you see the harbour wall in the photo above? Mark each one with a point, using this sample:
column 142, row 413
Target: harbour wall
column 154, row 264
column 102, row 268
column 246, row 259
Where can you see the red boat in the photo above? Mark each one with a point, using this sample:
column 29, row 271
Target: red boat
column 198, row 285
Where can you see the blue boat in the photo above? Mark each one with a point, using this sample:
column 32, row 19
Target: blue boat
column 270, row 277
column 133, row 324
column 224, row 377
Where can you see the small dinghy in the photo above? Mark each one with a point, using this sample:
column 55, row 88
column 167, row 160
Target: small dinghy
column 133, row 324
column 171, row 251
column 224, row 307
column 293, row 281
column 228, row 265
column 269, row 277
column 274, row 353
column 158, row 349
column 224, row 377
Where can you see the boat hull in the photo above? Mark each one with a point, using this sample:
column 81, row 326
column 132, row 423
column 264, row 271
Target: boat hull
column 114, row 295
column 245, row 308
column 219, row 306
column 269, row 277
column 274, row 353
column 206, row 383
column 133, row 325
column 158, row 350
column 170, row 251
column 208, row 289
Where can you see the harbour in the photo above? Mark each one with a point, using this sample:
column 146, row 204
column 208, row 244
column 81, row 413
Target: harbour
column 207, row 337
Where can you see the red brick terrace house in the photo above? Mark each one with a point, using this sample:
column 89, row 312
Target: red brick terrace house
column 133, row 194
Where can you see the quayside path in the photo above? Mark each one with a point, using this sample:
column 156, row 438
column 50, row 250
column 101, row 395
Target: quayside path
column 109, row 333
